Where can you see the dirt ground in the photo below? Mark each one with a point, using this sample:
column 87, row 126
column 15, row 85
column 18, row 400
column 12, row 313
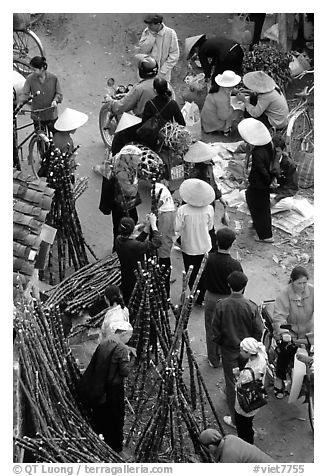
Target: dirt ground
column 83, row 50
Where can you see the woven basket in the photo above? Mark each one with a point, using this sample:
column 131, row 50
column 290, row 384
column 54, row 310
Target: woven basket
column 305, row 169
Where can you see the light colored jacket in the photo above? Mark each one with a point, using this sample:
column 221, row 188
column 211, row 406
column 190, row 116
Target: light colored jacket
column 289, row 308
column 163, row 47
column 217, row 112
column 114, row 314
column 193, row 225
column 274, row 105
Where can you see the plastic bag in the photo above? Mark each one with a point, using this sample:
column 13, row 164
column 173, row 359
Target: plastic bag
column 191, row 114
column 225, row 219
column 195, row 82
column 242, row 29
column 272, row 33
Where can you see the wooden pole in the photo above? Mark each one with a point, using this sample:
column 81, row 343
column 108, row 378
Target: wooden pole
column 282, row 31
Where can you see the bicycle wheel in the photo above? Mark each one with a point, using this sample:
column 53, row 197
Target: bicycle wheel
column 26, row 45
column 22, row 67
column 299, row 134
column 107, row 125
column 310, row 404
column 270, row 345
column 36, row 150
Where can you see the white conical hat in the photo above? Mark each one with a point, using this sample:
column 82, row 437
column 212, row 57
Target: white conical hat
column 70, row 119
column 190, row 42
column 196, row 192
column 127, row 120
column 199, row 152
column 254, row 132
column 259, row 82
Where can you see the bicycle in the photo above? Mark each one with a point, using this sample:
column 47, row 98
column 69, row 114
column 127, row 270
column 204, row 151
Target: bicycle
column 295, row 385
column 26, row 45
column 299, row 132
column 39, row 140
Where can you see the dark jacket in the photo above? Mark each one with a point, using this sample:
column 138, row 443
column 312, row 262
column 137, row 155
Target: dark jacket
column 288, row 179
column 260, row 176
column 235, row 319
column 216, row 271
column 216, row 49
column 171, row 112
column 130, row 251
column 204, row 172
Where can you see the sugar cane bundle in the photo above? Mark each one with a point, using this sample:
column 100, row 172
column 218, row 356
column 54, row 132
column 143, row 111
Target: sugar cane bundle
column 176, row 137
column 71, row 247
column 83, row 288
column 48, row 379
column 80, row 186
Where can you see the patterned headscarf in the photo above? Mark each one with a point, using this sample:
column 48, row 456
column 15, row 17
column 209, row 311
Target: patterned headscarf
column 165, row 196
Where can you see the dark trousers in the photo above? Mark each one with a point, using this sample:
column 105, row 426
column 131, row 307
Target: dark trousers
column 210, row 303
column 258, row 201
column 108, row 418
column 166, row 262
column 229, row 363
column 117, row 215
column 233, row 62
column 244, row 427
column 124, row 137
column 258, row 19
column 47, row 126
column 285, row 355
column 263, row 118
column 196, row 261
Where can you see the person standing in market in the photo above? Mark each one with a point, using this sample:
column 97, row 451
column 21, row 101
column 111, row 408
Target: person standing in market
column 216, row 55
column 255, row 358
column 166, row 228
column 194, row 220
column 231, row 449
column 219, row 266
column 131, row 250
column 102, row 384
column 235, row 319
column 160, row 42
column 256, row 134
column 200, row 155
column 49, row 96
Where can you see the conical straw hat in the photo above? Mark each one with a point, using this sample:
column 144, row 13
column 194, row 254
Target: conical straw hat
column 196, row 192
column 259, row 82
column 199, row 152
column 254, row 132
column 70, row 119
column 127, row 120
column 190, row 42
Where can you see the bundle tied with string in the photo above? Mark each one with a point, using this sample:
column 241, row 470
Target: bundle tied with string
column 176, row 137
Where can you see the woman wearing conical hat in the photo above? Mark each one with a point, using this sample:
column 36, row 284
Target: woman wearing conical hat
column 65, row 125
column 268, row 104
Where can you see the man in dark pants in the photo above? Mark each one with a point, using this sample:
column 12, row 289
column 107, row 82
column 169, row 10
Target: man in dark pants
column 223, row 53
column 258, row 19
column 235, row 319
column 218, row 267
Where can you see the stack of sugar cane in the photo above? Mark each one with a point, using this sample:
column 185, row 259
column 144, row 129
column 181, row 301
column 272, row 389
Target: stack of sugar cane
column 60, row 427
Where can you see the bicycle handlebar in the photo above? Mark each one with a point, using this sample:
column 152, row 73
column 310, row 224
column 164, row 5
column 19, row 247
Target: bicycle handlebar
column 20, row 106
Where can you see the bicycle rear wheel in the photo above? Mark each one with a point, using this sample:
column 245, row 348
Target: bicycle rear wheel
column 26, row 45
column 22, row 67
column 36, row 150
column 107, row 125
column 299, row 134
column 311, row 405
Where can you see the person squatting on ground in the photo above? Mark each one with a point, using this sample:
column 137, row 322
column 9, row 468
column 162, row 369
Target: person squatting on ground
column 50, row 94
column 105, row 374
column 130, row 250
column 257, row 193
column 194, row 220
column 116, row 312
column 167, row 108
column 285, row 183
column 200, row 155
column 223, row 53
column 135, row 101
column 293, row 306
column 166, row 228
column 217, row 113
column 268, row 104
column 231, row 449
column 218, row 267
column 235, row 319
column 160, row 42
column 254, row 355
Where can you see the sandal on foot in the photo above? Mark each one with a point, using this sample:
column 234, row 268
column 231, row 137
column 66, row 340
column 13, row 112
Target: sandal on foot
column 228, row 420
column 279, row 392
column 265, row 240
